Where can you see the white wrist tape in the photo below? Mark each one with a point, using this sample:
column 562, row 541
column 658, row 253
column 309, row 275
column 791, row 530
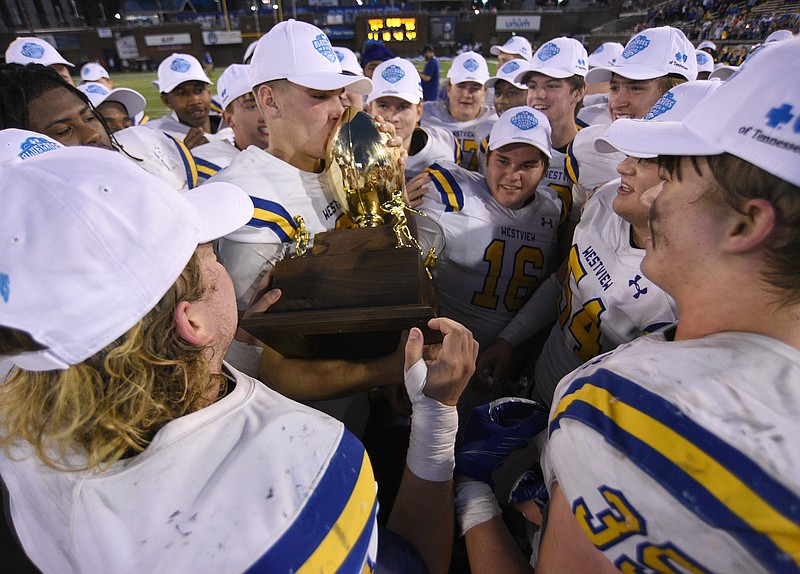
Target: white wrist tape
column 431, row 450
column 475, row 504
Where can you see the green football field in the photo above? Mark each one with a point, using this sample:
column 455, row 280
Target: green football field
column 142, row 82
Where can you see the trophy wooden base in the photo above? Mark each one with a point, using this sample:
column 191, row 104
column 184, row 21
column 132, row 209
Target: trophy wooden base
column 349, row 298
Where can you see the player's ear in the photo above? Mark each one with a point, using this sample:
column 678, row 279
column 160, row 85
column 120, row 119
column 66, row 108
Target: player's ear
column 268, row 101
column 229, row 119
column 166, row 101
column 749, row 229
column 191, row 324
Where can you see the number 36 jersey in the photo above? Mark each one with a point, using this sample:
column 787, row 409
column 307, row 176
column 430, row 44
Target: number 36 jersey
column 494, row 256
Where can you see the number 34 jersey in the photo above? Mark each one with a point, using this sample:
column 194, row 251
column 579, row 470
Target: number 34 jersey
column 494, row 257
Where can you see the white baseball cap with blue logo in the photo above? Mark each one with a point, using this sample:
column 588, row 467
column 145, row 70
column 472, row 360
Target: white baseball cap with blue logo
column 559, row 58
column 672, row 106
column 397, row 78
column 605, row 54
column 524, row 125
column 348, row 60
column 754, row 116
column 508, row 72
column 705, row 62
column 20, row 145
column 34, row 51
column 516, row 46
column 92, row 71
column 468, row 67
column 302, row 54
column 133, row 102
column 234, row 82
column 178, row 68
column 651, row 54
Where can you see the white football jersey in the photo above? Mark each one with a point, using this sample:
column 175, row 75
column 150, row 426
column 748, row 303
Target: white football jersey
column 216, row 155
column 440, row 145
column 255, row 482
column 494, row 257
column 171, row 125
column 684, row 456
column 435, row 114
column 606, row 300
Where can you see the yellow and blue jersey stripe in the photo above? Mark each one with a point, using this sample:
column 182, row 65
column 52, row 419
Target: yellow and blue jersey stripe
column 205, row 169
column 571, row 167
column 450, row 192
column 720, row 484
column 188, row 160
column 273, row 216
column 332, row 532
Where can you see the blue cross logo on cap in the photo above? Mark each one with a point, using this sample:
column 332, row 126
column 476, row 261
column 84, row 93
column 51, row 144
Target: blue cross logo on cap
column 393, row 74
column 95, row 89
column 510, row 67
column 782, row 115
column 471, row 65
column 681, row 57
column 701, row 58
column 323, row 46
column 524, row 121
column 32, row 50
column 548, row 51
column 180, row 65
column 34, row 146
column 635, row 46
column 663, row 105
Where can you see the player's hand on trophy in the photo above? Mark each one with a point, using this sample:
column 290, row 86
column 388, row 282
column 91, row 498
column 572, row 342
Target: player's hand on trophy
column 453, row 365
column 416, row 188
column 494, row 431
column 494, row 364
column 394, row 140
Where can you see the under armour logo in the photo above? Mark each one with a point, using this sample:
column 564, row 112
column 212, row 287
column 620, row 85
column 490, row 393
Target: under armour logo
column 781, row 115
column 635, row 284
column 547, row 222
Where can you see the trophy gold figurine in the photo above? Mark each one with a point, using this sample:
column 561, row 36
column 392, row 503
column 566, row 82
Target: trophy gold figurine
column 354, row 290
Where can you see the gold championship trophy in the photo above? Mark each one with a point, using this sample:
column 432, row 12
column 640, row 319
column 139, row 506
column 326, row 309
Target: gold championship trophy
column 352, row 293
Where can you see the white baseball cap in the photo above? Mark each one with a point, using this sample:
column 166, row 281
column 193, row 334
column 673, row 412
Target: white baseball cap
column 559, row 58
column 468, row 67
column 755, row 116
column 34, row 51
column 348, row 60
column 515, row 45
column 91, row 244
column 508, row 72
column 302, row 54
column 779, row 36
column 525, row 125
column 673, row 106
column 651, row 54
column 233, row 83
column 97, row 93
column 21, row 145
column 178, row 68
column 605, row 54
column 93, row 71
column 707, row 44
column 705, row 62
column 248, row 53
column 397, row 78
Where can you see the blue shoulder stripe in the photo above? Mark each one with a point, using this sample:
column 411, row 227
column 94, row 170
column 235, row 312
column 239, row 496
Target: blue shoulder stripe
column 449, row 190
column 188, row 161
column 274, row 216
column 205, row 169
column 710, row 477
column 332, row 532
column 216, row 106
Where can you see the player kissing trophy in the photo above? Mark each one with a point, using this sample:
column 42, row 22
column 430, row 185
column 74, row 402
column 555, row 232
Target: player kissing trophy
column 348, row 293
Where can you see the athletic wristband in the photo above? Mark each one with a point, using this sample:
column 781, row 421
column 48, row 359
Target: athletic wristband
column 540, row 310
column 431, row 449
column 475, row 504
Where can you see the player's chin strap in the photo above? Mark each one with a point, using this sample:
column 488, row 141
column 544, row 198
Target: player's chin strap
column 431, row 449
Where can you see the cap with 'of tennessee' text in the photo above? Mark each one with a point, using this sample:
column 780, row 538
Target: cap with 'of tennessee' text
column 516, row 46
column 396, row 78
column 468, row 67
column 522, row 125
column 34, row 51
column 179, row 68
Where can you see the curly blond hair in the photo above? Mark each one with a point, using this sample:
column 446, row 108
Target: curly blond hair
column 111, row 405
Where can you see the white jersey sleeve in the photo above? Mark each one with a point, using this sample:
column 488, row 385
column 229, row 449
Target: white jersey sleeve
column 494, row 257
column 214, row 156
column 436, row 114
column 683, row 456
column 605, row 300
